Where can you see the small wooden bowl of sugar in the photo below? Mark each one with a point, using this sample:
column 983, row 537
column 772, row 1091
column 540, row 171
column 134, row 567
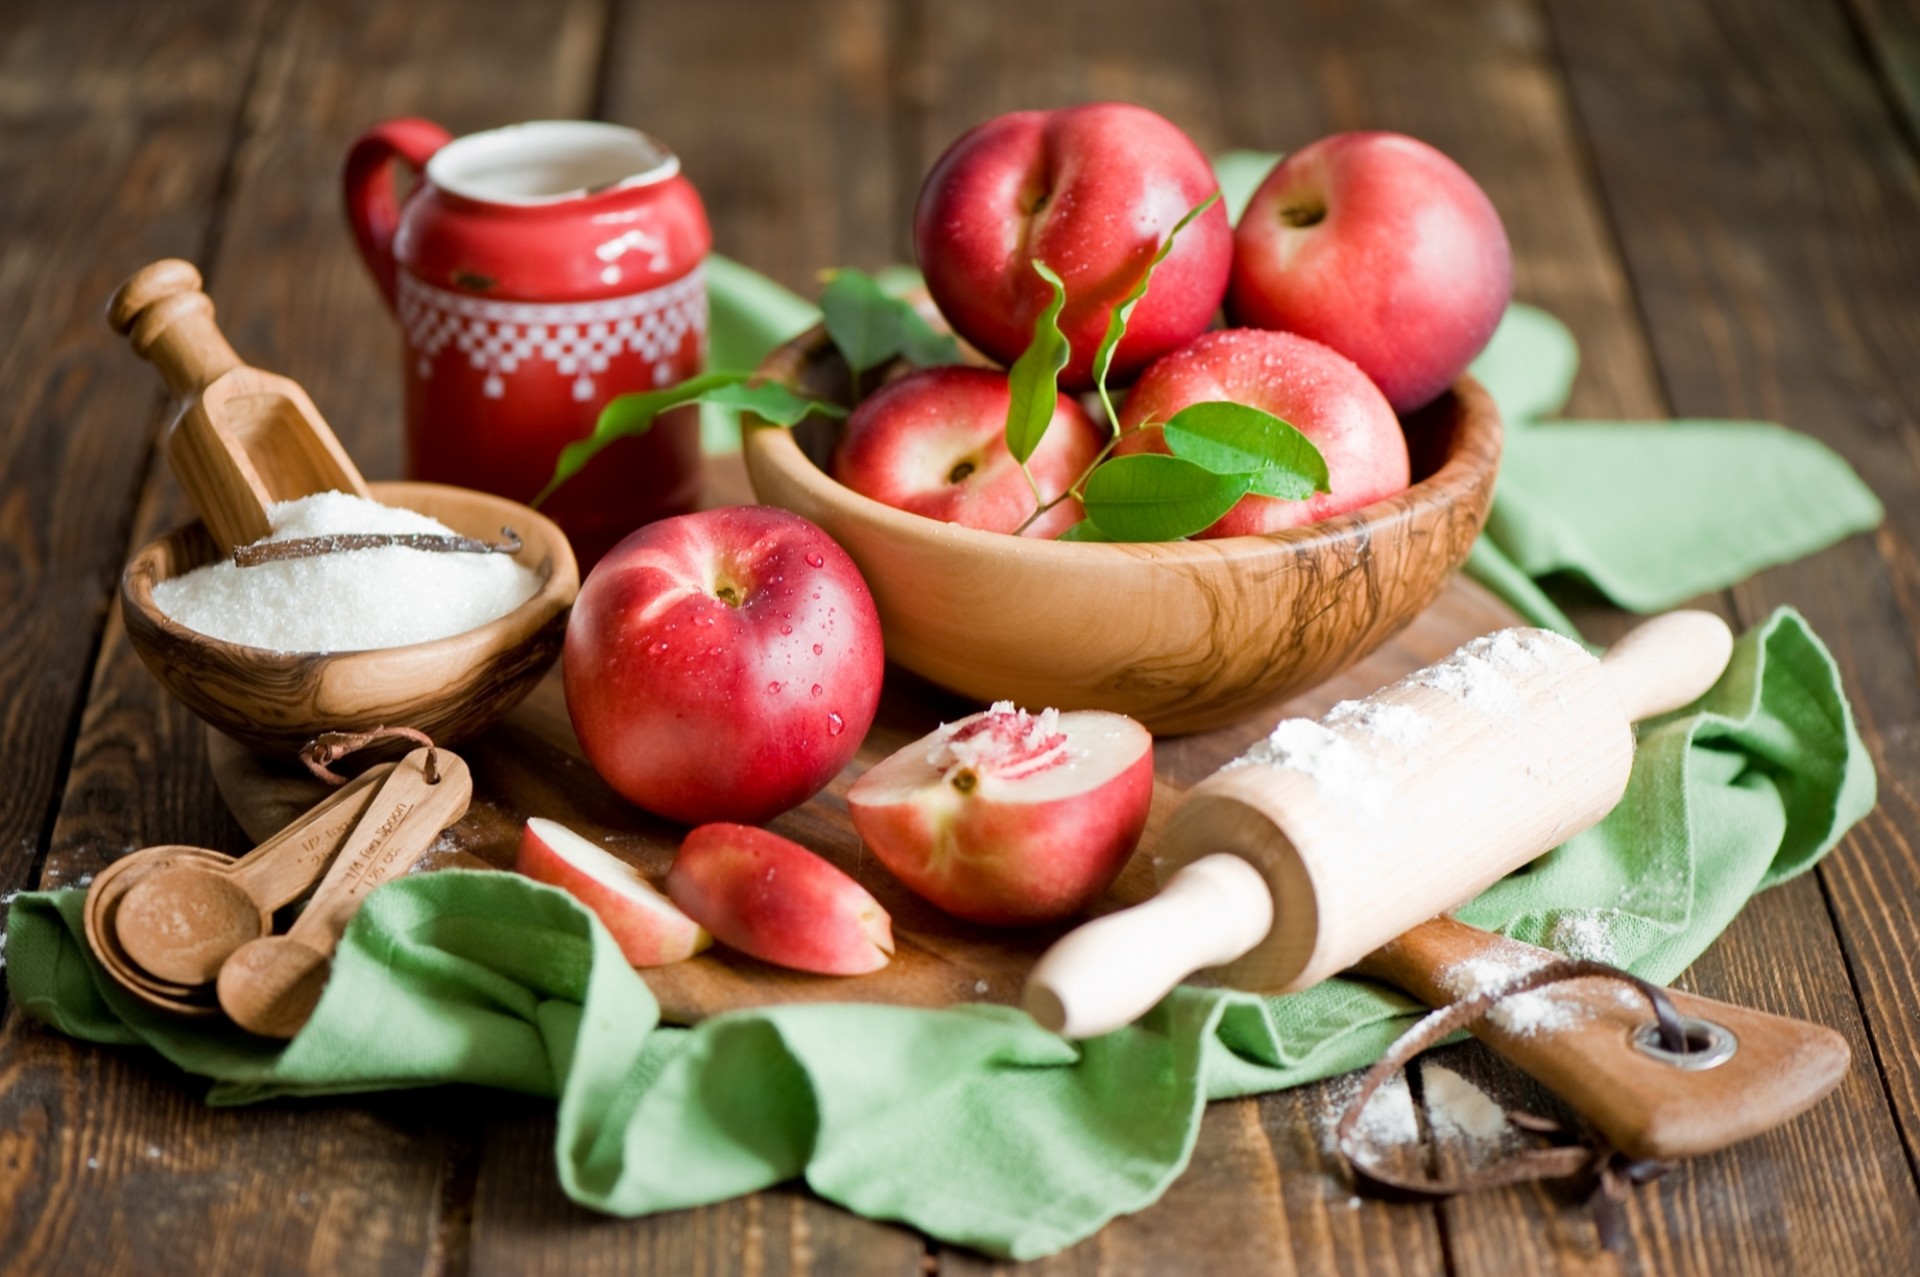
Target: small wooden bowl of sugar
column 494, row 622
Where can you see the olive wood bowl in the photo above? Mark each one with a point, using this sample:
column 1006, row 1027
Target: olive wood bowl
column 449, row 688
column 1185, row 635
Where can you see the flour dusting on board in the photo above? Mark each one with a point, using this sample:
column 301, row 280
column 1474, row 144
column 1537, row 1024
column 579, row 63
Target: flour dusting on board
column 1462, row 1111
column 1458, row 1112
column 1522, row 1014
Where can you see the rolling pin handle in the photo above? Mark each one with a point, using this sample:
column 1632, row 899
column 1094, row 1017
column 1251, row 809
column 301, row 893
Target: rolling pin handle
column 1669, row 662
column 1106, row 974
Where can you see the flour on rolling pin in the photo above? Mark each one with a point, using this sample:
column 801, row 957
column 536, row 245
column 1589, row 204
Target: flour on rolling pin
column 1340, row 752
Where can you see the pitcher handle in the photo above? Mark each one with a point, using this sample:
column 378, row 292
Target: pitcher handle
column 368, row 181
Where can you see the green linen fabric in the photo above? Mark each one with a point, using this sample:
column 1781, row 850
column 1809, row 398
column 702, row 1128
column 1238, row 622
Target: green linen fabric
column 971, row 1124
column 1651, row 514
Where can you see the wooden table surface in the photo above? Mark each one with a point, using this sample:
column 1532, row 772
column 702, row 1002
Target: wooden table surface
column 1722, row 199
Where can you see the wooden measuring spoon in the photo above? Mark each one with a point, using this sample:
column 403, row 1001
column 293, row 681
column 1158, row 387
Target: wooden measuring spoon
column 1599, row 1050
column 184, row 916
column 102, row 905
column 271, row 985
column 244, row 439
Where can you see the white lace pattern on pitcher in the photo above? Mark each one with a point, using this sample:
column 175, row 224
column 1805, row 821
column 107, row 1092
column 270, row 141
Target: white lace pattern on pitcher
column 578, row 338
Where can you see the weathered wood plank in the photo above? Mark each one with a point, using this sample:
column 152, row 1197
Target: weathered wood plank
column 1890, row 30
column 780, row 114
column 286, row 1188
column 1771, row 239
column 114, row 151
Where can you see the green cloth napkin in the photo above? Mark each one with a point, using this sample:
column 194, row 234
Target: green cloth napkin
column 971, row 1124
column 1651, row 514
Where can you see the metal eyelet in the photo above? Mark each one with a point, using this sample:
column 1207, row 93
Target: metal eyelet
column 1709, row 1045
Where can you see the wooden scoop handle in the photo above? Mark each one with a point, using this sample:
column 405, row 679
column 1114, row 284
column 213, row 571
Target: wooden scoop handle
column 162, row 312
column 1582, row 1047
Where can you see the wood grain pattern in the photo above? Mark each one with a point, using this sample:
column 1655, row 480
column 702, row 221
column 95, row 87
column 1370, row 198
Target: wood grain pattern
column 1185, row 635
column 116, row 143
column 449, row 688
column 1772, row 247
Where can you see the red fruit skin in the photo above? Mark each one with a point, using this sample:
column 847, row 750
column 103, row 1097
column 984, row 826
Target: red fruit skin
column 646, row 938
column 1011, row 864
column 1115, row 179
column 698, row 709
column 774, row 900
column 1316, row 390
column 1407, row 273
column 902, row 444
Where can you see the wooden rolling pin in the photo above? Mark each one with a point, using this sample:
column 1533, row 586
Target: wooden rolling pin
column 1331, row 838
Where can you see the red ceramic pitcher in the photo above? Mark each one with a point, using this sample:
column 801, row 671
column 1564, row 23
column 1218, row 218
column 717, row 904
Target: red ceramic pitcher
column 538, row 271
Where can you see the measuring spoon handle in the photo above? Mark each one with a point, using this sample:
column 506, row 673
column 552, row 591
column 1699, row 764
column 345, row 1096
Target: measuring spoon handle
column 402, row 819
column 286, row 866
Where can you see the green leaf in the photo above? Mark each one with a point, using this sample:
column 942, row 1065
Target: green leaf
column 1035, row 376
column 771, row 402
column 871, row 326
column 1233, row 438
column 1123, row 309
column 635, row 414
column 1081, row 531
column 1149, row 497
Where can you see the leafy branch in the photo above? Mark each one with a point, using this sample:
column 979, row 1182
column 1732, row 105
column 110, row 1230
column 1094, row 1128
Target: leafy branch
column 634, row 414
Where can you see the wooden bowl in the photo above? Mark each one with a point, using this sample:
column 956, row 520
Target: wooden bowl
column 1185, row 635
column 449, row 688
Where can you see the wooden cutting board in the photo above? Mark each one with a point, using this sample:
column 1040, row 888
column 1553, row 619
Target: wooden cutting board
column 530, row 765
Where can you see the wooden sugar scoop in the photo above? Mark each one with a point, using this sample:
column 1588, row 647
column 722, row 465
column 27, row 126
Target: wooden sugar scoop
column 1333, row 843
column 270, row 985
column 244, row 439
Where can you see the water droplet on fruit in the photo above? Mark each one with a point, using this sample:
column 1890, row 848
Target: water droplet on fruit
column 786, row 629
column 815, row 561
column 835, row 724
column 715, row 650
column 659, row 647
column 817, row 649
column 819, row 690
column 773, row 689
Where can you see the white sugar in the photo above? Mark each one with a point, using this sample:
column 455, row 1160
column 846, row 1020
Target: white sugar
column 1459, row 1109
column 351, row 600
